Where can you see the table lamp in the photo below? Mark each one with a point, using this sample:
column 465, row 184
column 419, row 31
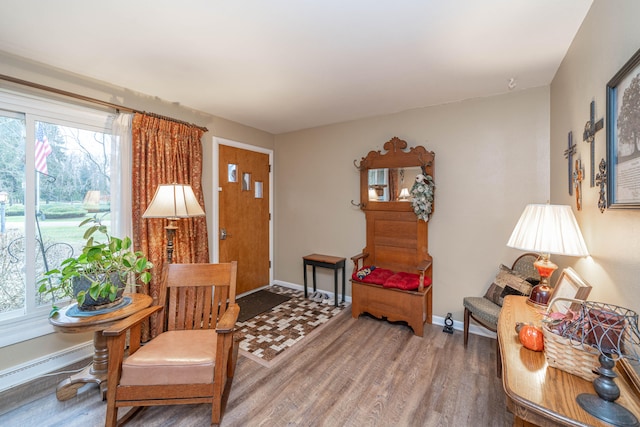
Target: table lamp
column 173, row 201
column 547, row 229
column 404, row 194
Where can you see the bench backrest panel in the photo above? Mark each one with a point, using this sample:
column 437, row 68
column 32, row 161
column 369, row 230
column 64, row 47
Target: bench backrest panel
column 396, row 240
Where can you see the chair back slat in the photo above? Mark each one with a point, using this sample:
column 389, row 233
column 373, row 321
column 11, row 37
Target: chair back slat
column 199, row 316
column 190, row 307
column 198, row 294
column 181, row 314
column 206, row 308
column 220, row 302
column 171, row 307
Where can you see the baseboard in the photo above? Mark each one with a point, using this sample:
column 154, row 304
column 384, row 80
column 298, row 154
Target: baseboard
column 347, row 298
column 36, row 368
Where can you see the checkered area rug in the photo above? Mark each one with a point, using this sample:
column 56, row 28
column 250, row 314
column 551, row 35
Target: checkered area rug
column 268, row 335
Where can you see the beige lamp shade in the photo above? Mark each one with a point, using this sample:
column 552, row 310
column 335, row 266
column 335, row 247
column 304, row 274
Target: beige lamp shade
column 174, row 201
column 404, row 194
column 548, row 229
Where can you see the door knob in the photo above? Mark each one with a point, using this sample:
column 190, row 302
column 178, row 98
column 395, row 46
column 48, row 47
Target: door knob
column 223, row 234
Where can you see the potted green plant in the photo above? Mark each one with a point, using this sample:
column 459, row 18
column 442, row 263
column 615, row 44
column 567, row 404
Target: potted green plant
column 98, row 275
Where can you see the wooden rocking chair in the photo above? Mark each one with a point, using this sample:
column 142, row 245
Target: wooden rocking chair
column 193, row 360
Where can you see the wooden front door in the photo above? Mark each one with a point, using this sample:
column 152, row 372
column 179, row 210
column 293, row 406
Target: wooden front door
column 244, row 214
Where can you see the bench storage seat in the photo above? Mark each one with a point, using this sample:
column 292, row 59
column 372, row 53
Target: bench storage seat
column 400, row 296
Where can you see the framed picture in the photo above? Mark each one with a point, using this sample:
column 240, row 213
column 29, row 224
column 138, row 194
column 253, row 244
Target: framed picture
column 623, row 140
column 570, row 285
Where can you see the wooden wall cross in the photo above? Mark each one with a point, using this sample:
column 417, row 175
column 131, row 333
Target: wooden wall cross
column 578, row 173
column 589, row 136
column 602, row 182
column 568, row 154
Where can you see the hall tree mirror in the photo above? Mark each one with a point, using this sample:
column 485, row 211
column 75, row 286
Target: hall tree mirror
column 386, row 179
column 391, row 184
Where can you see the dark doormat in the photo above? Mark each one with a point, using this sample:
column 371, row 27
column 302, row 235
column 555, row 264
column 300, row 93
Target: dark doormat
column 258, row 302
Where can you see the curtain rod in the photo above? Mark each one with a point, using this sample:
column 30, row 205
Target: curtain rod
column 93, row 100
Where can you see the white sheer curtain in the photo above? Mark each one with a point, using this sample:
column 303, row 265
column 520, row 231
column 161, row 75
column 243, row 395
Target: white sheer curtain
column 121, row 221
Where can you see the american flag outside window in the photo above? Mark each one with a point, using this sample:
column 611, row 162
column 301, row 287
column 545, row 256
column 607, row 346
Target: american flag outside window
column 43, row 149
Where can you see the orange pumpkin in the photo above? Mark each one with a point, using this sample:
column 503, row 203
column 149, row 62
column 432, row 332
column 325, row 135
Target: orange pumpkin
column 531, row 337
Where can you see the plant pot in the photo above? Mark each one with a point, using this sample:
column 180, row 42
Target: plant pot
column 90, row 304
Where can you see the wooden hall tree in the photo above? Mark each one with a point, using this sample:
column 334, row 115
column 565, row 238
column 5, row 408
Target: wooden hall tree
column 397, row 240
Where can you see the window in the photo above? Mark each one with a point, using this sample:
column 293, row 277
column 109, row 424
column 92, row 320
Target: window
column 55, row 170
column 379, row 185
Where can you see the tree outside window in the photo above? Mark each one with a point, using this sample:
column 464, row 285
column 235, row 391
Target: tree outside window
column 52, row 182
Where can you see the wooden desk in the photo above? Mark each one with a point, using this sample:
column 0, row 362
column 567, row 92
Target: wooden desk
column 97, row 371
column 536, row 393
column 325, row 261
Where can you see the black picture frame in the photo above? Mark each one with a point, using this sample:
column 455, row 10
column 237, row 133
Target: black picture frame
column 623, row 145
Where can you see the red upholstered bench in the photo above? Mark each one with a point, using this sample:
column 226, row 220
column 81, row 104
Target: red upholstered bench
column 388, row 279
column 394, row 296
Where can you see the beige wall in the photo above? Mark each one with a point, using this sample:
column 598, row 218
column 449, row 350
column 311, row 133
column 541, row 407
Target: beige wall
column 492, row 158
column 609, row 36
column 44, row 75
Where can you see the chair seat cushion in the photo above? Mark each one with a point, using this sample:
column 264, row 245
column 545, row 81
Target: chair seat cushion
column 173, row 357
column 372, row 275
column 388, row 279
column 483, row 309
column 405, row 281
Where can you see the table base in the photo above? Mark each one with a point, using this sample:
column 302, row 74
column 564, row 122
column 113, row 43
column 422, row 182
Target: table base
column 95, row 373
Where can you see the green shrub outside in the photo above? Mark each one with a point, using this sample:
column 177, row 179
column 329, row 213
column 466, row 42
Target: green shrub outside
column 63, row 211
column 51, row 211
column 14, row 210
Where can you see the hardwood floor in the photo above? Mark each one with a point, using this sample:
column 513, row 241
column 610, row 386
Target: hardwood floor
column 361, row 372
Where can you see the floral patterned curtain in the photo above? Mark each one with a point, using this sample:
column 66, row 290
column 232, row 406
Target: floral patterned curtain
column 165, row 152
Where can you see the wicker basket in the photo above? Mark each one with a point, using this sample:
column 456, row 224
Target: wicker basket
column 563, row 355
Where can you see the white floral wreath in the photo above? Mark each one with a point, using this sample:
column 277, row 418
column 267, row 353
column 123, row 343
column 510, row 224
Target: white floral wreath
column 422, row 196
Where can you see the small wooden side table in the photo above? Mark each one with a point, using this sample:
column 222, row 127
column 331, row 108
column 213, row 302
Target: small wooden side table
column 538, row 394
column 97, row 371
column 325, row 261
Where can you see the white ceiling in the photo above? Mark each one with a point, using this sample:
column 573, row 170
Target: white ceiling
column 284, row 65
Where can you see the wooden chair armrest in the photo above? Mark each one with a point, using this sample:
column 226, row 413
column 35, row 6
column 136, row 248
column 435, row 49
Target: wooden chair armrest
column 120, row 327
column 424, row 265
column 358, row 257
column 356, row 260
column 227, row 322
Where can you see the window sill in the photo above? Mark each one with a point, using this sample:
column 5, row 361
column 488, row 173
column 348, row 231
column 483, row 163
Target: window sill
column 23, row 330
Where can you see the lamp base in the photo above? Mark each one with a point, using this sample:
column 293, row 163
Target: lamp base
column 541, row 293
column 171, row 231
column 540, row 296
column 610, row 412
